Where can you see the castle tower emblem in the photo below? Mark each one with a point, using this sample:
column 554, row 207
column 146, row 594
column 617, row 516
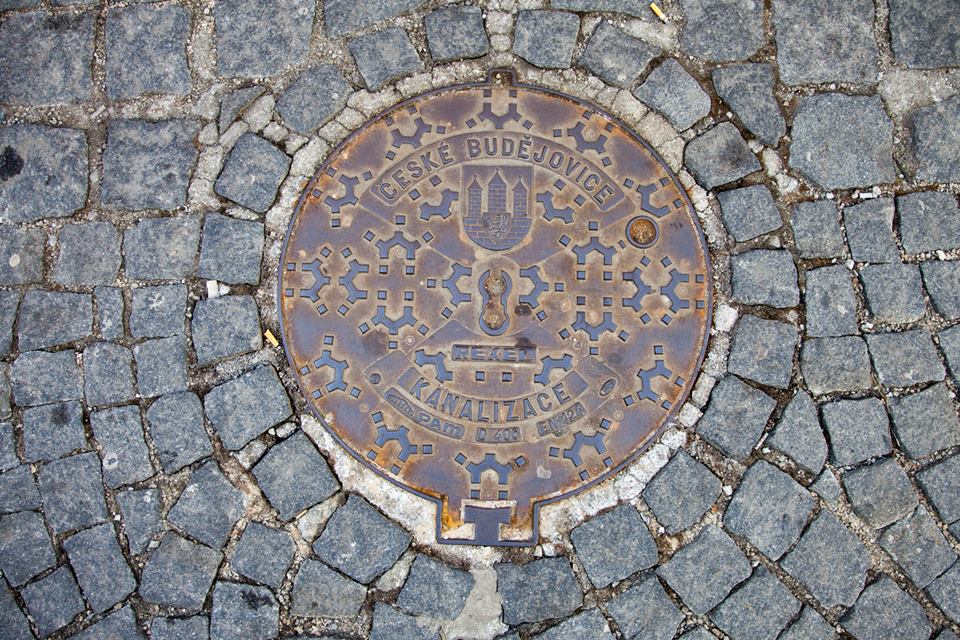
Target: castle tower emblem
column 497, row 215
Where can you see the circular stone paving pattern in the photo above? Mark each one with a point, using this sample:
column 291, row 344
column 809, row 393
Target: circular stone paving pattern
column 494, row 296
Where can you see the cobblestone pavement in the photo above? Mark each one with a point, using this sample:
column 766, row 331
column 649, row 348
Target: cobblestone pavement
column 160, row 475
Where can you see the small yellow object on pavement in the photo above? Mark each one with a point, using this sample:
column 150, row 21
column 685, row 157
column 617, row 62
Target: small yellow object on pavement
column 658, row 11
column 271, row 338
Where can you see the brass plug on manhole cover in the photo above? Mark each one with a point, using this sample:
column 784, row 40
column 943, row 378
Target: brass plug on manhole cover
column 501, row 294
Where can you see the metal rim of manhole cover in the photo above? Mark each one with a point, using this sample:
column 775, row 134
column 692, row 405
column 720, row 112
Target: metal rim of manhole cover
column 495, row 296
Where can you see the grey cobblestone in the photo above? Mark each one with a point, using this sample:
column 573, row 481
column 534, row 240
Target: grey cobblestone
column 760, row 608
column 140, row 511
column 208, row 507
column 925, row 422
column 748, row 89
column 435, row 589
column 942, row 281
column 546, row 38
column 107, row 374
column 147, row 51
column 941, row 484
column 919, row 547
column 225, row 327
column 816, row 230
column 586, row 624
column 675, row 511
column 21, row 255
column 89, row 254
column 762, row 351
column 234, row 102
column 522, row 604
column 53, row 318
column 192, row 628
column 880, row 493
column 904, row 359
column 646, row 611
column 312, row 99
column 108, row 302
column 809, row 626
column 836, row 364
column 719, row 156
column 253, row 173
column 259, row 38
column 280, row 476
column 950, row 345
column 161, row 366
column 341, row 17
column 674, row 93
column 923, row 35
column 893, row 292
column 158, row 312
column 124, row 454
column 12, row 620
column 52, row 431
column 615, row 57
column 614, row 545
column 882, row 607
column 231, row 250
column 104, row 576
column 119, row 625
column 18, row 490
column 749, row 212
column 72, row 492
column 705, row 571
column 722, row 30
column 53, row 600
column 243, row 611
column 25, row 548
column 935, row 141
column 858, row 429
column 161, row 248
column 179, row 573
column 244, row 407
column 388, row 622
column 765, row 277
column 384, row 56
column 830, row 303
column 830, row 561
column 320, row 591
column 929, row 220
column 456, row 32
column 9, row 301
column 39, row 377
column 945, row 591
column 870, row 231
column 176, row 426
column 735, row 417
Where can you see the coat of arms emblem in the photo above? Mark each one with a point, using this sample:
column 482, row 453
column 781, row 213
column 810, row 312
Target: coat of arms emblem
column 497, row 213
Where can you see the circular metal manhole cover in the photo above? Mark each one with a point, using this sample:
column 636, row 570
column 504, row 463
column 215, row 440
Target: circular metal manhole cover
column 494, row 295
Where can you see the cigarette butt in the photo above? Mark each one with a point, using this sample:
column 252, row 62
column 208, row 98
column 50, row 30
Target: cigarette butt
column 271, row 338
column 658, row 11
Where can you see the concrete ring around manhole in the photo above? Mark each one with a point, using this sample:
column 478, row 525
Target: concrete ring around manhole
column 495, row 296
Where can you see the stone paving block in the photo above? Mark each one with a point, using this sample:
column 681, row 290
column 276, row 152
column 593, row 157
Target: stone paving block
column 176, row 426
column 615, row 57
column 263, row 554
column 941, row 484
column 280, row 476
column 104, row 575
column 234, row 102
column 749, row 212
column 705, row 571
column 586, row 624
column 244, row 407
column 319, row 591
column 950, row 345
column 39, row 377
column 646, row 611
column 925, row 422
column 697, row 633
column 819, row 43
column 835, row 364
column 769, row 509
column 360, row 542
column 809, row 626
column 89, row 254
column 798, row 434
column 830, row 561
column 162, row 248
column 208, row 507
column 904, row 359
column 761, row 608
column 147, row 51
column 893, row 292
column 918, row 546
column 935, row 141
column 12, row 620
column 816, row 230
column 765, row 277
column 614, row 545
column 735, row 417
column 674, row 93
column 677, row 511
column 72, row 491
column 523, row 604
column 634, row 8
column 318, row 94
column 719, row 156
column 435, row 589
column 880, row 493
column 9, row 301
column 21, row 255
column 342, row 17
column 546, row 39
column 722, row 30
column 882, row 608
column 119, row 431
column 158, row 312
column 107, row 374
column 231, row 250
column 161, row 366
column 384, row 56
column 243, row 611
column 53, row 318
column 179, row 573
column 140, row 511
column 6, row 391
column 942, row 281
column 108, row 302
column 456, row 32
column 870, row 231
column 858, row 429
column 831, row 307
column 748, row 89
column 924, row 34
column 841, row 141
column 18, row 490
column 253, row 173
column 51, row 431
column 192, row 628
column 25, row 548
column 53, row 601
column 45, row 172
column 8, row 447
column 762, row 351
column 389, row 623
column 57, row 71
column 261, row 37
column 929, row 220
column 945, row 591
column 119, row 625
column 147, row 165
column 225, row 327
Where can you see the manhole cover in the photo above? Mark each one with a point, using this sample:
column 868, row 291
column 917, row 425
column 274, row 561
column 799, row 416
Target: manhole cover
column 494, row 296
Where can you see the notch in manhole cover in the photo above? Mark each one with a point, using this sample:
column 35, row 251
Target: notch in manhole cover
column 494, row 296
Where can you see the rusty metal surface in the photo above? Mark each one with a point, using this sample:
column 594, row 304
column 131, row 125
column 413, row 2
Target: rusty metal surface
column 494, row 296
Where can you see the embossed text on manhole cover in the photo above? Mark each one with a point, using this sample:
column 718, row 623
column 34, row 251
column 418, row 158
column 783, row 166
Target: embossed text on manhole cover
column 494, row 296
